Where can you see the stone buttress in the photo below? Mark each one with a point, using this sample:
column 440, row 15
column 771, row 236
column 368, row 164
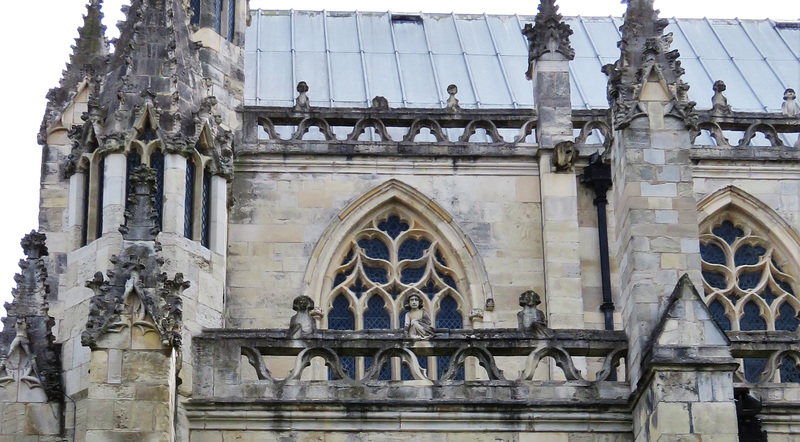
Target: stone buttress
column 658, row 240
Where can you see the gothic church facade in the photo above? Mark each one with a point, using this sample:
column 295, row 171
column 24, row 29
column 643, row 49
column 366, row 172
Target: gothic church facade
column 270, row 225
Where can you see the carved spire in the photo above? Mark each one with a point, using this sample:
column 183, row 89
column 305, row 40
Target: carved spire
column 646, row 63
column 549, row 34
column 28, row 353
column 87, row 60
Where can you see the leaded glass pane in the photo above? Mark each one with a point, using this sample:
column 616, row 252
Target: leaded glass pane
column 101, row 173
column 787, row 319
column 712, row 254
column 376, row 316
column 340, row 317
column 448, row 315
column 718, row 313
column 789, row 371
column 85, row 214
column 749, row 281
column 377, row 275
column 728, row 232
column 393, row 226
column 768, row 296
column 386, row 370
column 786, row 287
column 231, row 19
column 751, row 319
column 412, row 249
column 430, row 289
column 157, row 163
column 405, row 372
column 134, row 160
column 411, row 275
column 748, row 255
column 753, row 368
column 443, row 363
column 716, row 280
column 218, row 17
column 375, row 248
column 188, row 201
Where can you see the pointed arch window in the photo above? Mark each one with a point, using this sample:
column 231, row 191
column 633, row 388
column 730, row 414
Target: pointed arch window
column 188, row 201
column 205, row 213
column 389, row 256
column 748, row 285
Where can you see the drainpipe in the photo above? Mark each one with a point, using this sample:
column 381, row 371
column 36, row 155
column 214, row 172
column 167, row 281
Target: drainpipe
column 597, row 175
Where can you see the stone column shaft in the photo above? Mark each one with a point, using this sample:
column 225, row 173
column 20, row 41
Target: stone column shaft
column 174, row 194
column 218, row 235
column 114, row 185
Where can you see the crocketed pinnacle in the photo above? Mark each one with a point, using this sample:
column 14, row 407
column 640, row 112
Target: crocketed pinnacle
column 645, row 55
column 549, row 33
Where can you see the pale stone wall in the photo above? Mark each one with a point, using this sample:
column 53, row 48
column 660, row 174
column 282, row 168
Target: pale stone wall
column 437, row 436
column 282, row 211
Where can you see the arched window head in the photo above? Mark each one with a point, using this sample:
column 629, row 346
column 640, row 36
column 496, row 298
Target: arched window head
column 391, row 255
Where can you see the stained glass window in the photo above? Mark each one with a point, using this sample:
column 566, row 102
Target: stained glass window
column 101, row 173
column 195, row 12
column 218, row 17
column 789, row 371
column 448, row 317
column 741, row 266
column 231, row 19
column 390, row 256
column 85, row 212
column 341, row 318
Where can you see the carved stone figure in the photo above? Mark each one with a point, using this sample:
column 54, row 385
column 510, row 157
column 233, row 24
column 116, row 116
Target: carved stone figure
column 489, row 305
column 719, row 102
column 531, row 319
column 380, row 103
column 302, row 324
column 790, row 107
column 302, row 102
column 417, row 322
column 21, row 340
column 564, row 156
column 452, row 101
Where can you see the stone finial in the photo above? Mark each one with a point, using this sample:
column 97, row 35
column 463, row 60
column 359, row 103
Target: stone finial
column 418, row 323
column 531, row 319
column 380, row 103
column 302, row 324
column 564, row 156
column 452, row 101
column 548, row 34
column 34, row 245
column 719, row 102
column 790, row 107
column 302, row 103
column 647, row 69
column 141, row 216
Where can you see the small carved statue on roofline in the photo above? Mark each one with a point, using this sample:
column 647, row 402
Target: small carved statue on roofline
column 418, row 322
column 302, row 324
column 531, row 319
column 302, row 102
column 718, row 101
column 790, row 108
column 452, row 101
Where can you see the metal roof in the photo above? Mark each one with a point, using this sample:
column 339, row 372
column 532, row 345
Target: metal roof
column 347, row 58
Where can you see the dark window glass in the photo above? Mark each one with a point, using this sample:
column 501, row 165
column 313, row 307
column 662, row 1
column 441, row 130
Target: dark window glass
column 218, row 17
column 205, row 216
column 728, row 232
column 412, row 249
column 386, row 370
column 376, row 316
column 188, row 202
column 195, row 20
column 787, row 319
column 748, row 255
column 393, row 226
column 405, row 372
column 749, row 281
column 789, row 371
column 718, row 313
column 341, row 318
column 359, row 289
column 85, row 215
column 377, row 275
column 157, row 163
column 751, row 319
column 134, row 160
column 712, row 254
column 716, row 280
column 753, row 368
column 101, row 174
column 448, row 317
column 374, row 248
column 231, row 19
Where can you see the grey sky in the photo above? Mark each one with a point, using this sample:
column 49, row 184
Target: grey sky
column 37, row 44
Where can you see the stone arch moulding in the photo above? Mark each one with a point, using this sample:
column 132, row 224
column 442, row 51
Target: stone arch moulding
column 767, row 222
column 396, row 193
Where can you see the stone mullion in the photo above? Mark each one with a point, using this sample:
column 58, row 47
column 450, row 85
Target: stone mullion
column 114, row 180
column 173, row 206
column 77, row 205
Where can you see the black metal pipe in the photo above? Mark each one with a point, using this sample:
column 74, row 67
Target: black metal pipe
column 598, row 176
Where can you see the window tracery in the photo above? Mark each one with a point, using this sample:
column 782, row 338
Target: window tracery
column 748, row 286
column 392, row 255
